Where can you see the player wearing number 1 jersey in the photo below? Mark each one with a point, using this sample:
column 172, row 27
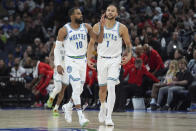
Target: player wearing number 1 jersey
column 74, row 37
column 109, row 61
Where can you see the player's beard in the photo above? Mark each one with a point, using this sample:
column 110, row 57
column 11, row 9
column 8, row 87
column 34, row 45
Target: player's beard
column 79, row 21
column 111, row 18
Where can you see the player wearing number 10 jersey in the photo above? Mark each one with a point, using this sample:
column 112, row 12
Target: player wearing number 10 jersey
column 73, row 36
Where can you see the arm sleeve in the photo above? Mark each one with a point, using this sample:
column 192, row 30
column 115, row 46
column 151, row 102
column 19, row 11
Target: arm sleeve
column 57, row 54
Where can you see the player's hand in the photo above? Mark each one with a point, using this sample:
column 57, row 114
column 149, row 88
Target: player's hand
column 102, row 21
column 125, row 60
column 91, row 64
column 60, row 69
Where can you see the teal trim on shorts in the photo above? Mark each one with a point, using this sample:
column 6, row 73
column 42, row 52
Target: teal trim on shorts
column 78, row 57
column 102, row 84
column 110, row 78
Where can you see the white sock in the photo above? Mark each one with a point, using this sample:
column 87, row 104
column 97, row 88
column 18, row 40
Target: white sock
column 56, row 107
column 111, row 97
column 70, row 103
column 153, row 101
column 80, row 114
column 103, row 105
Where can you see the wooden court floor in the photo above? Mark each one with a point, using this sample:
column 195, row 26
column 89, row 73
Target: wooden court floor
column 38, row 119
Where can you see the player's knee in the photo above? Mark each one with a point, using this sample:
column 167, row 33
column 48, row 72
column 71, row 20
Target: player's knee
column 103, row 89
column 111, row 86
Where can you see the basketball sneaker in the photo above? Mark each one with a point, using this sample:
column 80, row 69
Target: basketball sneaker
column 109, row 122
column 55, row 112
column 50, row 102
column 68, row 112
column 83, row 121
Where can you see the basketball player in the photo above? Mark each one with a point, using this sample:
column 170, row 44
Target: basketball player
column 109, row 61
column 58, row 82
column 74, row 35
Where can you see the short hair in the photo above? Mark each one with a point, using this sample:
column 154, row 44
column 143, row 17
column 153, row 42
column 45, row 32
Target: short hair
column 180, row 51
column 71, row 11
column 115, row 5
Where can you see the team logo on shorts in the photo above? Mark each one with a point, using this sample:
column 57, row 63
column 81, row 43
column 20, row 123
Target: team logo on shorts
column 69, row 69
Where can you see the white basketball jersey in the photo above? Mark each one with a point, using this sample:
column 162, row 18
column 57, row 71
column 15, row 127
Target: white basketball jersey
column 76, row 40
column 112, row 42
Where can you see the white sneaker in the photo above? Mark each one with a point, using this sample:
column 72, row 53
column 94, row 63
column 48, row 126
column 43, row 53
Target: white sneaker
column 68, row 113
column 83, row 121
column 109, row 122
column 102, row 114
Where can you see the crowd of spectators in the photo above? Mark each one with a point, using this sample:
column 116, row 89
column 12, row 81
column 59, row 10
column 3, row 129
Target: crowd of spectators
column 161, row 31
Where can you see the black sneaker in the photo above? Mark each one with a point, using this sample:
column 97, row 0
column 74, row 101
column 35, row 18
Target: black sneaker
column 165, row 108
column 154, row 107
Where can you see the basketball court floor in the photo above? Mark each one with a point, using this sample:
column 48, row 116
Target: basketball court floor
column 43, row 120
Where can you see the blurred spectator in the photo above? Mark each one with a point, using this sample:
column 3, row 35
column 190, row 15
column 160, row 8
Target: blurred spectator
column 10, row 60
column 19, row 23
column 10, row 6
column 136, row 73
column 191, row 47
column 171, row 73
column 17, row 70
column 158, row 14
column 192, row 88
column 173, row 45
column 18, row 52
column 28, row 52
column 4, row 70
column 7, row 28
column 153, row 60
column 182, row 80
column 124, row 15
column 49, row 32
column 192, row 64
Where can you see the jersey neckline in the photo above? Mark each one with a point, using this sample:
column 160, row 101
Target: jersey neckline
column 73, row 28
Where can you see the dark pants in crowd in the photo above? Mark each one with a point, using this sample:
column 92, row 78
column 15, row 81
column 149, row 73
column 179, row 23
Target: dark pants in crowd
column 192, row 90
column 127, row 90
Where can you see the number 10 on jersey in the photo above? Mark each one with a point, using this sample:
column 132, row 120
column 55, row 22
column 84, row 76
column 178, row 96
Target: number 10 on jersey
column 79, row 44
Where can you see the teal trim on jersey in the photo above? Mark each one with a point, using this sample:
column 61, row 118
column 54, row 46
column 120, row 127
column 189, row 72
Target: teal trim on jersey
column 118, row 29
column 75, row 29
column 67, row 32
column 112, row 27
column 99, row 28
column 74, row 79
column 78, row 57
column 85, row 28
column 110, row 78
column 102, row 84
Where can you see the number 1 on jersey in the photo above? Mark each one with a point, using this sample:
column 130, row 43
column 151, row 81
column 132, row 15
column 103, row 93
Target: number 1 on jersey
column 107, row 43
